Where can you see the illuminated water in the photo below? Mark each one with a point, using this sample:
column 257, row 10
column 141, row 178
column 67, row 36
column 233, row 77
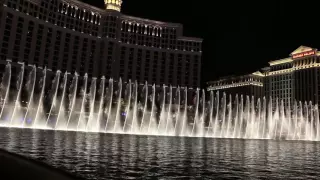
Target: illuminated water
column 111, row 156
column 70, row 102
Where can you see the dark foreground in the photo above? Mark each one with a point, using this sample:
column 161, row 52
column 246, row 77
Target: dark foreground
column 107, row 156
column 16, row 167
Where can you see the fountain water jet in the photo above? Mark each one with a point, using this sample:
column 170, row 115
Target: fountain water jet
column 83, row 101
column 40, row 113
column 72, row 97
column 110, row 89
column 102, row 89
column 30, row 86
column 169, row 115
column 55, row 87
column 17, row 104
column 5, row 86
column 92, row 101
column 61, row 114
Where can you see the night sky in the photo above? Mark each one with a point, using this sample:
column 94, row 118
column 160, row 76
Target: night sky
column 239, row 37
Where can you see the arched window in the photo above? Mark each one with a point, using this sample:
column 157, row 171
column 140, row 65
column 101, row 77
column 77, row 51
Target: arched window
column 78, row 13
column 89, row 17
column 69, row 10
column 94, row 19
column 64, row 10
column 60, row 7
column 86, row 16
column 135, row 28
column 81, row 15
column 123, row 26
column 130, row 27
column 147, row 30
column 73, row 11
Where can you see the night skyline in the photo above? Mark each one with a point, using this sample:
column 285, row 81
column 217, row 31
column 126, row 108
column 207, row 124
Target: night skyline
column 141, row 89
column 238, row 39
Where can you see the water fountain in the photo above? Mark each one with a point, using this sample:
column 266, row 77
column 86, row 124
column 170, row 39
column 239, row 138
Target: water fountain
column 134, row 108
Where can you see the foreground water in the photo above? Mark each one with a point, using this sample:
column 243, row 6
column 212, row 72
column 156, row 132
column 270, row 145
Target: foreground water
column 111, row 156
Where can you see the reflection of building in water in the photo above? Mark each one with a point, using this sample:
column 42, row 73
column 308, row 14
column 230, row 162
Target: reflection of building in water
column 69, row 35
column 294, row 78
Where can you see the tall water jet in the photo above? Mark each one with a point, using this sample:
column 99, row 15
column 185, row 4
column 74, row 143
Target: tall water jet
column 306, row 121
column 161, row 124
column 117, row 126
column 201, row 123
column 223, row 115
column 282, row 116
column 30, row 88
column 169, row 124
column 311, row 136
column 252, row 117
column 184, row 129
column 38, row 119
column 211, row 113
column 61, row 113
column 258, row 130
column 5, row 88
column 73, row 98
column 17, row 105
column 227, row 133
column 247, row 116
column 264, row 114
column 177, row 114
column 216, row 120
column 100, row 111
column 289, row 119
column 134, row 125
column 92, row 95
column 316, row 115
column 236, row 118
column 270, row 118
column 276, row 119
column 128, row 94
column 81, row 120
column 296, row 125
column 145, row 105
column 109, row 99
column 55, row 87
column 195, row 120
column 240, row 134
column 152, row 123
column 300, row 120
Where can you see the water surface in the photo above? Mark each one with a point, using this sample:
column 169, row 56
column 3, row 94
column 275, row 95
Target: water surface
column 111, row 156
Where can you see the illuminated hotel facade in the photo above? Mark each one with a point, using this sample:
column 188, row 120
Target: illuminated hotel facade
column 246, row 85
column 72, row 36
column 294, row 78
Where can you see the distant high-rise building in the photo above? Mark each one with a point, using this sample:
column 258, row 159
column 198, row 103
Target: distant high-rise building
column 69, row 35
column 294, row 78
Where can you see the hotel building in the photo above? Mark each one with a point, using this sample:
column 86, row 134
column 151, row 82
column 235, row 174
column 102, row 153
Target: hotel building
column 247, row 85
column 296, row 77
column 69, row 35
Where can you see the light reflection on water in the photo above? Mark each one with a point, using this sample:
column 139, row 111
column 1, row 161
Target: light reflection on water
column 108, row 156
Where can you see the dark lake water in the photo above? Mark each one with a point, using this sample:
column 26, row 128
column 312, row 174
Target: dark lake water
column 108, row 156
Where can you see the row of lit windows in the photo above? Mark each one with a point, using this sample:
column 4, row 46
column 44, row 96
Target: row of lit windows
column 90, row 26
column 82, row 14
column 71, row 17
column 160, row 42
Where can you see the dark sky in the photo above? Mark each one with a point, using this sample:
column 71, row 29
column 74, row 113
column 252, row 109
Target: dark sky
column 239, row 37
